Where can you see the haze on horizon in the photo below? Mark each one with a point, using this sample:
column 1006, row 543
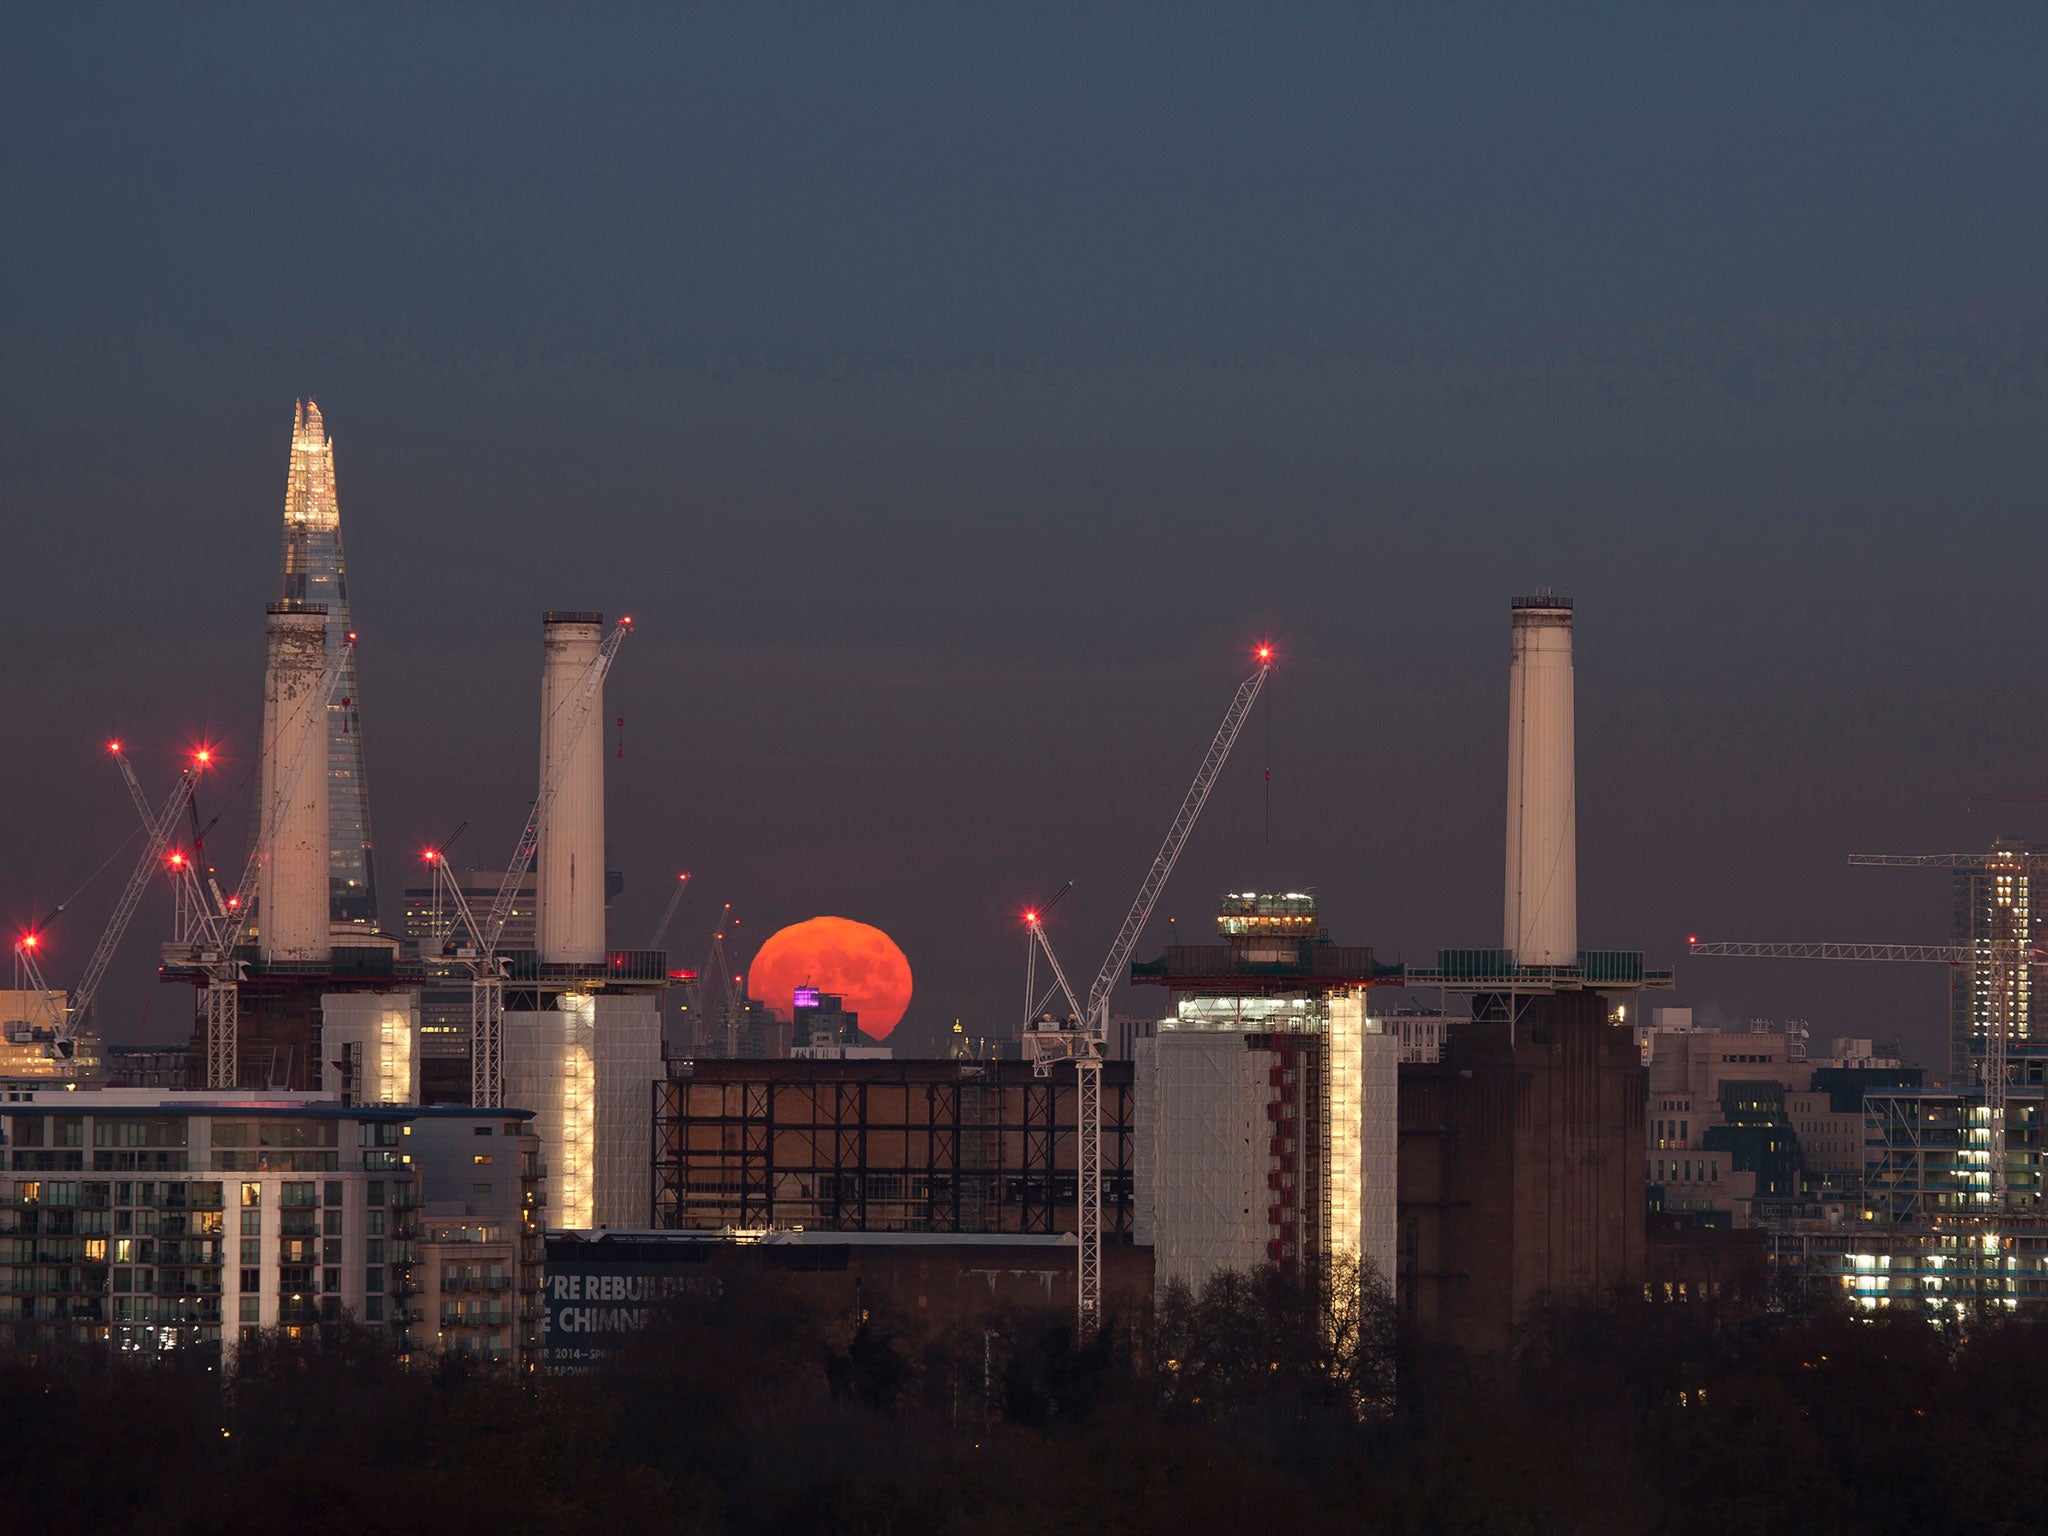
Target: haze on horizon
column 953, row 397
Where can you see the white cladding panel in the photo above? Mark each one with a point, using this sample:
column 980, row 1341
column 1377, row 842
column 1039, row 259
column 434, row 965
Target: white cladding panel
column 1202, row 1153
column 382, row 1031
column 1204, row 1143
column 628, row 1062
column 587, row 1070
column 1541, row 925
column 548, row 1069
column 570, row 859
column 1379, row 1161
column 292, row 881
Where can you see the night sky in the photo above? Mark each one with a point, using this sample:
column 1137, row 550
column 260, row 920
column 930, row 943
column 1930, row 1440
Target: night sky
column 954, row 396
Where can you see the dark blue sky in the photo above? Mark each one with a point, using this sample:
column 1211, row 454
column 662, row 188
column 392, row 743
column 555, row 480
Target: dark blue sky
column 951, row 395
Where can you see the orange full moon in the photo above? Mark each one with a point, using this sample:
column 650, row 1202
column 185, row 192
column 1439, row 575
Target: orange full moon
column 835, row 954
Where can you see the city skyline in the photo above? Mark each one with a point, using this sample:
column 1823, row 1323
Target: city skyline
column 1298, row 738
column 951, row 481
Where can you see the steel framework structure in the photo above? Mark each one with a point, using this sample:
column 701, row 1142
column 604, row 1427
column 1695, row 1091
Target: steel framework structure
column 2008, row 954
column 1081, row 1038
column 58, row 1033
column 881, row 1146
column 208, row 926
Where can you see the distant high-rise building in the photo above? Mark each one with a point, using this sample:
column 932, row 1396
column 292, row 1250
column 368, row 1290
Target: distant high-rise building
column 1994, row 902
column 313, row 571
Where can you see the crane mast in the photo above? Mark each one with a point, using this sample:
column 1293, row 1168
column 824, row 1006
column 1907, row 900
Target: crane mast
column 1082, row 1039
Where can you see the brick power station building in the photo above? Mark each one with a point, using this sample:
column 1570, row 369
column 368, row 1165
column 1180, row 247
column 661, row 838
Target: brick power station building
column 1522, row 1146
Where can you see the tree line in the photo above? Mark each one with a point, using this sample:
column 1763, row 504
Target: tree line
column 1261, row 1402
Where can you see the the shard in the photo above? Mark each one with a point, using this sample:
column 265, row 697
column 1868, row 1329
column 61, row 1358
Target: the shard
column 313, row 571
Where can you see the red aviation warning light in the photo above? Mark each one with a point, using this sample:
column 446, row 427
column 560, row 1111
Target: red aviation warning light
column 114, row 747
column 1264, row 654
column 30, row 940
column 1031, row 917
column 202, row 756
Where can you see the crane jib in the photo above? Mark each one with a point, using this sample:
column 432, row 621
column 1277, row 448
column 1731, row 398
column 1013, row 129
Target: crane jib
column 1169, row 851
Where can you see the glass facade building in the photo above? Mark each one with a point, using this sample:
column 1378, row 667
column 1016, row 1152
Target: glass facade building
column 313, row 571
column 1994, row 903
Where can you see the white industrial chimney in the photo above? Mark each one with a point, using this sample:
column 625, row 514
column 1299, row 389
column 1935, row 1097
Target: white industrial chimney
column 570, row 906
column 1543, row 867
column 292, row 897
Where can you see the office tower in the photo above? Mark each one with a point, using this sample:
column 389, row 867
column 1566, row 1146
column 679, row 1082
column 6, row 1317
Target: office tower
column 1994, row 900
column 313, row 572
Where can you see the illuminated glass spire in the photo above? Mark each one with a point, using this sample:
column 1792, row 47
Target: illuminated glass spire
column 314, row 572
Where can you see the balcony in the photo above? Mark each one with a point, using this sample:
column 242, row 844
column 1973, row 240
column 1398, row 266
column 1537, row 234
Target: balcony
column 498, row 1281
column 485, row 1317
column 489, row 1351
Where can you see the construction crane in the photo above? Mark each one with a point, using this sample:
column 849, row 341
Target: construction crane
column 714, row 992
column 60, row 1026
column 1081, row 1037
column 668, row 914
column 716, row 982
column 1912, row 954
column 480, row 951
column 27, row 1031
column 2006, row 951
column 2007, row 955
column 208, row 926
column 162, row 823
